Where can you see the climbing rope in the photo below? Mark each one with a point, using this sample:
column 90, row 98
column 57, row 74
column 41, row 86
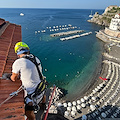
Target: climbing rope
column 50, row 103
column 12, row 95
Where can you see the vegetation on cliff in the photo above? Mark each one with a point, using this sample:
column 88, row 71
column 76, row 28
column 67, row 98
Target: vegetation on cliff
column 106, row 17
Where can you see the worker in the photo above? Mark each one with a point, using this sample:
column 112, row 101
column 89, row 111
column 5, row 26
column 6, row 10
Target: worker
column 30, row 75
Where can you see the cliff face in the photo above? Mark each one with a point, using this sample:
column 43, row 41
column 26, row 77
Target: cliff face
column 106, row 17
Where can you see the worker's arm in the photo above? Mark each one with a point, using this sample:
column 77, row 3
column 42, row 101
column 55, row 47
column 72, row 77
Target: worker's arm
column 14, row 76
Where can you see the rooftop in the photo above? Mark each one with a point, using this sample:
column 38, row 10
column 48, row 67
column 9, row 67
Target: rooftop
column 14, row 108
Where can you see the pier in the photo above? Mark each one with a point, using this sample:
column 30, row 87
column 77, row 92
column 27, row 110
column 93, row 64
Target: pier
column 75, row 36
column 66, row 33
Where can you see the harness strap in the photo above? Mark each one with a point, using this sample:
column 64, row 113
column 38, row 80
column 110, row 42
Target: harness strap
column 33, row 60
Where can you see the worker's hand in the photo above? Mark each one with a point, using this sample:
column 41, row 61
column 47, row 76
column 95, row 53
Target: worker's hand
column 7, row 76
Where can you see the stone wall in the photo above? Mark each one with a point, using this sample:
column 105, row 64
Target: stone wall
column 112, row 32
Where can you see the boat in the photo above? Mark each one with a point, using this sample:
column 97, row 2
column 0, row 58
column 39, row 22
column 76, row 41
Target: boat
column 21, row 14
column 91, row 14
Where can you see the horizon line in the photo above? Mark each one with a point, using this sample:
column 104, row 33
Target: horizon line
column 53, row 8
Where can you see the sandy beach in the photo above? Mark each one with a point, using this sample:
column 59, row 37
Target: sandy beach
column 100, row 99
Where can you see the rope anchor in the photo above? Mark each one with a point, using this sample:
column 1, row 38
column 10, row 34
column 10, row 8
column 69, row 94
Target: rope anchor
column 12, row 95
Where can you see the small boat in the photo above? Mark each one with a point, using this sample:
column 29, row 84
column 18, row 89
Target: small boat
column 91, row 14
column 21, row 14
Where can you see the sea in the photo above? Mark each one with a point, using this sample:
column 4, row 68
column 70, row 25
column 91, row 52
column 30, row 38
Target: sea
column 71, row 64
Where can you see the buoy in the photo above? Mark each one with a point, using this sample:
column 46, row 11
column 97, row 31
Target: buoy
column 59, row 59
column 55, row 75
column 45, row 69
column 78, row 72
column 67, row 75
column 38, row 31
column 45, row 58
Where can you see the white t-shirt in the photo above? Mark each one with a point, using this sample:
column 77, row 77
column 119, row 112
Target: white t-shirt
column 29, row 74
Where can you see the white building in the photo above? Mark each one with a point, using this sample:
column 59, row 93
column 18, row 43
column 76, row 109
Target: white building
column 115, row 23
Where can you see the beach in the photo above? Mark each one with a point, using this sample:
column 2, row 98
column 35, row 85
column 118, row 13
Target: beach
column 98, row 100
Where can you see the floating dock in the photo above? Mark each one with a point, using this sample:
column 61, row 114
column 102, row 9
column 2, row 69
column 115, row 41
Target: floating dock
column 75, row 36
column 66, row 33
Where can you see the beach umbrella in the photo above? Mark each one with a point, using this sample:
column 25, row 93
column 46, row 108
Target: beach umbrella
column 74, row 103
column 65, row 104
column 96, row 89
column 66, row 113
column 74, row 108
column 85, row 97
column 59, row 104
column 73, row 113
column 83, row 105
column 69, row 104
column 103, row 115
column 78, row 107
column 101, row 85
column 78, row 101
column 68, row 108
column 93, row 98
column 92, row 107
column 84, row 117
column 82, row 100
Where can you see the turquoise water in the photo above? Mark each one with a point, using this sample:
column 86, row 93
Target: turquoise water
column 68, row 64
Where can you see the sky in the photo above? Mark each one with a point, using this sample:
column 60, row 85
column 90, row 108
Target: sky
column 67, row 4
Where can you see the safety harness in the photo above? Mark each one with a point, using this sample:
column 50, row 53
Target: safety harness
column 42, row 86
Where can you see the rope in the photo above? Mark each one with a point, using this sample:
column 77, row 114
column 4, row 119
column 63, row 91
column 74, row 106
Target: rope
column 12, row 95
column 50, row 103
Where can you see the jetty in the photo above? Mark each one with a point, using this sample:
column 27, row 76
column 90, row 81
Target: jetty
column 66, row 33
column 75, row 36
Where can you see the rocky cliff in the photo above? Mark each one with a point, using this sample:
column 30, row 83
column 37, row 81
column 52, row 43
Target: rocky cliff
column 106, row 17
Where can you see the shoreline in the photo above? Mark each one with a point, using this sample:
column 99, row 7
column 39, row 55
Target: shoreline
column 93, row 81
column 102, row 99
